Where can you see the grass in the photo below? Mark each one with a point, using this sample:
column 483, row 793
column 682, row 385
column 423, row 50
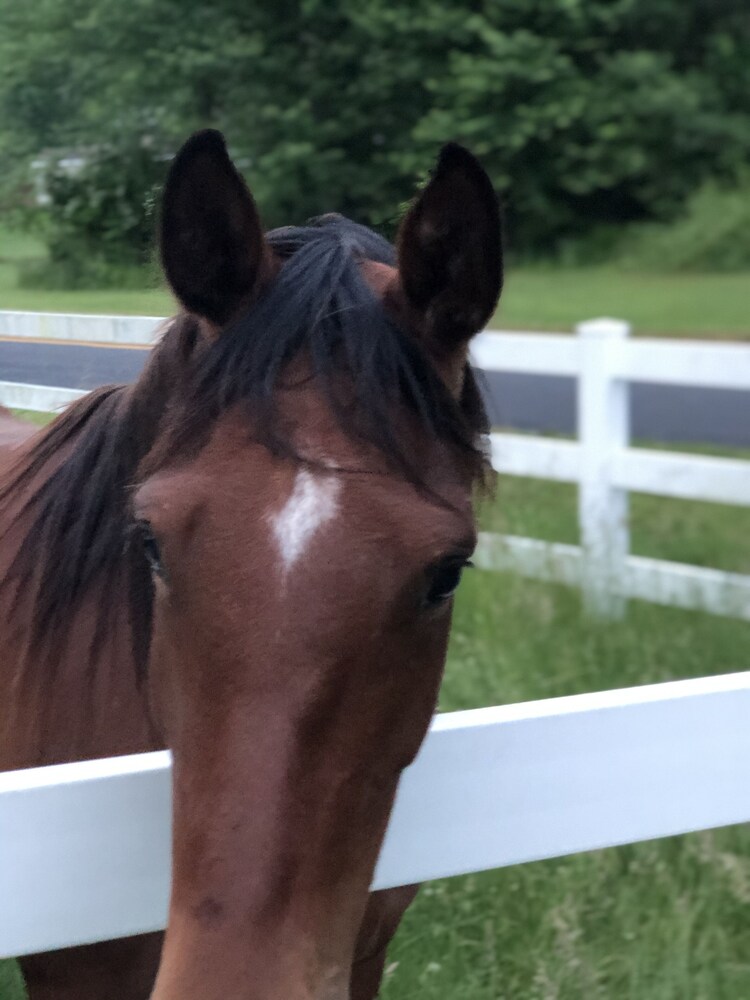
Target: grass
column 695, row 305
column 11, row 983
column 664, row 920
column 33, row 417
column 667, row 305
column 16, row 248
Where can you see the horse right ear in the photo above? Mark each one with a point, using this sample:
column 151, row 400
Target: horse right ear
column 212, row 244
column 450, row 251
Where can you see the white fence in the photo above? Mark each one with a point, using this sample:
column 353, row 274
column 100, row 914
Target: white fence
column 81, row 328
column 604, row 360
column 86, row 847
column 606, row 468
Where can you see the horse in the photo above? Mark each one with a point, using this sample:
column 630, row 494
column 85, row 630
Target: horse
column 13, row 432
column 248, row 556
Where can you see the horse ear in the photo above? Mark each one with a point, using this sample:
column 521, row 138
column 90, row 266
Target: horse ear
column 212, row 245
column 450, row 251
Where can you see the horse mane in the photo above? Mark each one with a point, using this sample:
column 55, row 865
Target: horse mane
column 76, row 518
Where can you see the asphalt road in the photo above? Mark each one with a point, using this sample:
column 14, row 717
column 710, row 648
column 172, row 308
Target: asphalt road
column 538, row 403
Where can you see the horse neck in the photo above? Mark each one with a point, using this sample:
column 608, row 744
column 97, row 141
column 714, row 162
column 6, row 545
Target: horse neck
column 13, row 432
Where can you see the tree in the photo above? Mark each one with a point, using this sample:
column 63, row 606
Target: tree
column 585, row 111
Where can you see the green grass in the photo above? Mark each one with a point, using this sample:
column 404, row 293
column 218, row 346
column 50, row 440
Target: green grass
column 11, row 983
column 696, row 305
column 665, row 920
column 15, row 248
column 40, row 419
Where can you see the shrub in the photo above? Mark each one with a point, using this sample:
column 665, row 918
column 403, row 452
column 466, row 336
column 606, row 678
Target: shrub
column 586, row 114
column 712, row 234
column 99, row 223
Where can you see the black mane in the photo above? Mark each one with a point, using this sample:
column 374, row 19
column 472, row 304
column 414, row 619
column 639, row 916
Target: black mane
column 78, row 516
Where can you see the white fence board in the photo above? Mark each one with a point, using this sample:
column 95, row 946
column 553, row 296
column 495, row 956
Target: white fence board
column 660, row 581
column 85, row 852
column 640, row 470
column 122, row 330
column 528, row 455
column 39, row 398
column 538, row 354
column 551, row 562
column 689, row 477
column 695, row 588
column 684, row 362
column 86, row 846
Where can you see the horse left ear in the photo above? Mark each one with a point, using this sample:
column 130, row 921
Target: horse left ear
column 212, row 244
column 450, row 251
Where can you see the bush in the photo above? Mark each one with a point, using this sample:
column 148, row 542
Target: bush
column 99, row 224
column 713, row 234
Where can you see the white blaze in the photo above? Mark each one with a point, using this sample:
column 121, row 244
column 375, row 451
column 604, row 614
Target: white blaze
column 312, row 503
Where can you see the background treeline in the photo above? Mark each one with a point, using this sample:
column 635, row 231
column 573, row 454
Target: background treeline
column 588, row 113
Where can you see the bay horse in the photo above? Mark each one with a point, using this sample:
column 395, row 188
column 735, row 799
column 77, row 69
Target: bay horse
column 248, row 556
column 13, row 432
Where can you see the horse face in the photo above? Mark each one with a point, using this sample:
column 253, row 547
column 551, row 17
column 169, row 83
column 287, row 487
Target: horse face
column 302, row 594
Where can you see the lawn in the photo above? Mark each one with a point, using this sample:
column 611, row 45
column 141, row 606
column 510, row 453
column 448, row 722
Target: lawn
column 16, row 248
column 666, row 920
column 700, row 305
column 674, row 305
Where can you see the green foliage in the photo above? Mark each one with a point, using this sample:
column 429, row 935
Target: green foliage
column 713, row 234
column 587, row 112
column 99, row 223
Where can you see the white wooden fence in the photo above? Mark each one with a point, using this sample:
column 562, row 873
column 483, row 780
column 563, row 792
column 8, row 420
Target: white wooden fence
column 606, row 468
column 86, row 847
column 604, row 360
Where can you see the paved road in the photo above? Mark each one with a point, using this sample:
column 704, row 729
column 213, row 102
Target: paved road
column 528, row 402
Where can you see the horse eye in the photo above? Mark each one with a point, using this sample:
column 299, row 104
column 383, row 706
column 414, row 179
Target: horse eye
column 150, row 548
column 444, row 582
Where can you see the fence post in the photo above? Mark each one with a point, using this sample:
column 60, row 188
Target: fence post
column 603, row 425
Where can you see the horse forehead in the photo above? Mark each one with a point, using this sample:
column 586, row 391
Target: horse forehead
column 340, row 479
column 330, row 457
column 312, row 503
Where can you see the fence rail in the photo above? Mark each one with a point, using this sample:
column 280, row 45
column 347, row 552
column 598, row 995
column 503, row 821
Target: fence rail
column 37, row 398
column 80, row 327
column 86, row 846
column 602, row 463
